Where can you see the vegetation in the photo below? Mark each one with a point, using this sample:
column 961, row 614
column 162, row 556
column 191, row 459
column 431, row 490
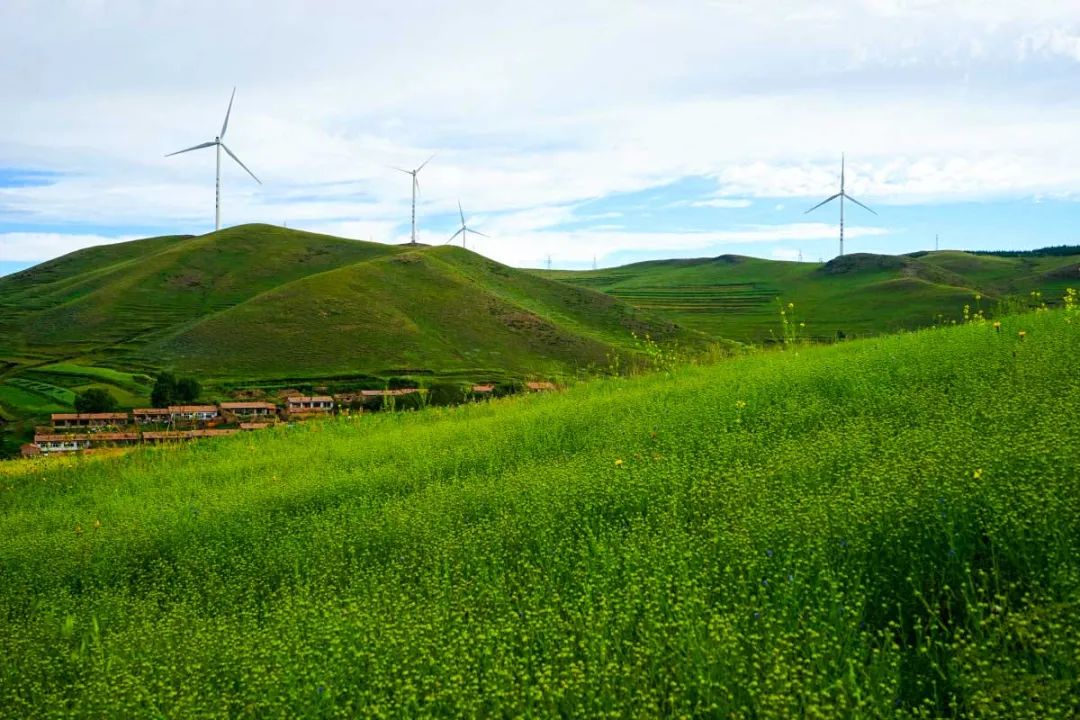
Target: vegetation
column 856, row 295
column 170, row 390
column 257, row 305
column 881, row 528
column 95, row 400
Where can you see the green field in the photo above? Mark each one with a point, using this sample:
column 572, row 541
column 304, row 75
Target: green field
column 888, row 527
column 734, row 297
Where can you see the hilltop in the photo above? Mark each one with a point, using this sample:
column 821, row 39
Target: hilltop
column 887, row 527
column 734, row 297
column 259, row 303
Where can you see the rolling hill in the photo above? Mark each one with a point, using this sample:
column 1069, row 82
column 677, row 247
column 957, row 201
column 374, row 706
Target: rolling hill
column 442, row 310
column 257, row 303
column 735, row 297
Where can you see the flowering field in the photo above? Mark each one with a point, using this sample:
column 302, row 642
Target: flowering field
column 888, row 527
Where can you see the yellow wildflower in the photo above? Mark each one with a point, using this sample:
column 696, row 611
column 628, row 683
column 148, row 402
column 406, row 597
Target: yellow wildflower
column 1022, row 334
column 977, row 474
column 618, row 462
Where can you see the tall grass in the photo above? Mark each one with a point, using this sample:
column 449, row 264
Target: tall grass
column 880, row 528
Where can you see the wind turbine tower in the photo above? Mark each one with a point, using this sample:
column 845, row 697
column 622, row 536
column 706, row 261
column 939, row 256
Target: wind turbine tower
column 842, row 195
column 415, row 190
column 465, row 229
column 219, row 143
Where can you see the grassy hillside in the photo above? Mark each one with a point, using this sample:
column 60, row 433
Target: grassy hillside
column 441, row 310
column 880, row 528
column 117, row 297
column 734, row 297
column 257, row 303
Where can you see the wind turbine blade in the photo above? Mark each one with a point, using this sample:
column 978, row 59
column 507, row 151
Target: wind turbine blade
column 477, row 232
column 461, row 213
column 823, row 202
column 416, row 182
column 864, row 207
column 225, row 124
column 226, row 149
column 407, row 172
column 196, row 147
column 426, row 162
column 454, row 236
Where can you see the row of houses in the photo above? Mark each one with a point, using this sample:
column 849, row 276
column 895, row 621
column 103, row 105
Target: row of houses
column 48, row 443
column 250, row 415
column 168, row 415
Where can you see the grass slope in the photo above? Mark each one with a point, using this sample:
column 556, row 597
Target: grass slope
column 119, row 296
column 435, row 310
column 881, row 528
column 734, row 297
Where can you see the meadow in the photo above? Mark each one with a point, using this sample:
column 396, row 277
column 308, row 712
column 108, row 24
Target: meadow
column 733, row 296
column 887, row 527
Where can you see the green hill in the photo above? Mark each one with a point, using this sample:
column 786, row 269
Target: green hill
column 440, row 309
column 257, row 303
column 735, row 297
column 129, row 293
column 881, row 528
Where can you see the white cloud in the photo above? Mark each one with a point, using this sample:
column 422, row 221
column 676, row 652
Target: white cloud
column 530, row 249
column 555, row 105
column 28, row 247
column 784, row 253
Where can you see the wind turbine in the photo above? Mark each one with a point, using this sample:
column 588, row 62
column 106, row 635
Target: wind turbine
column 219, row 143
column 415, row 190
column 842, row 194
column 465, row 229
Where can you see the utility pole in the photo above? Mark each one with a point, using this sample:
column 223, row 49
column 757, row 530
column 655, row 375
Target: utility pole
column 549, row 262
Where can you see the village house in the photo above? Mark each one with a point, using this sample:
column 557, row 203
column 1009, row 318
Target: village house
column 483, row 388
column 149, row 416
column 186, row 434
column 114, row 438
column 29, row 450
column 254, row 426
column 397, row 392
column 540, row 386
column 193, row 412
column 249, row 408
column 62, row 443
column 314, row 404
column 79, row 420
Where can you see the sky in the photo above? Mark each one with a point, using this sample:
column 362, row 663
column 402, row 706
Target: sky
column 582, row 132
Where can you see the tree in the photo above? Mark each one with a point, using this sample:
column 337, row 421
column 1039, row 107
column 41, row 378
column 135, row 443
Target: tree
column 95, row 400
column 164, row 392
column 187, row 389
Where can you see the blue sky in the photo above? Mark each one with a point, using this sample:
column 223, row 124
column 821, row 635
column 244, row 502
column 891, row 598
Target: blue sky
column 616, row 130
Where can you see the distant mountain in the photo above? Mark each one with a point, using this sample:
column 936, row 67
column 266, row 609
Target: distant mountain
column 735, row 297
